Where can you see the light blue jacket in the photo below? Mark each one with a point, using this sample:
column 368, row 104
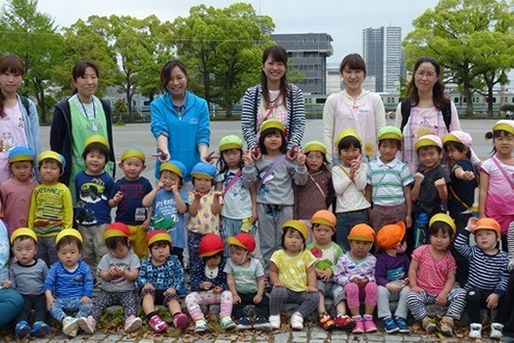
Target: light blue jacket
column 185, row 131
column 31, row 120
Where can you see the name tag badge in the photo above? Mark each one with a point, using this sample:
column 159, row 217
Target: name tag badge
column 140, row 214
column 193, row 121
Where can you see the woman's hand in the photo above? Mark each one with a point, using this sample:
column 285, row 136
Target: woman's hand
column 162, row 154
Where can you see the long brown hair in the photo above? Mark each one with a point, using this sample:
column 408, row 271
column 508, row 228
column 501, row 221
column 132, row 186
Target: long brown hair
column 12, row 64
column 438, row 96
column 279, row 54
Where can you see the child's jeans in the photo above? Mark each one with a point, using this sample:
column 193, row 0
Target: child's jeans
column 193, row 246
column 137, row 239
column 195, row 299
column 247, row 299
column 308, row 301
column 46, row 250
column 93, row 246
column 456, row 303
column 128, row 300
column 354, row 294
column 385, row 296
column 36, row 302
column 476, row 300
column 345, row 222
column 69, row 305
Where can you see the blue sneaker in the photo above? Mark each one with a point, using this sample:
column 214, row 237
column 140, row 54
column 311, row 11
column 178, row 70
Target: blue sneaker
column 390, row 325
column 244, row 324
column 40, row 329
column 402, row 325
column 22, row 329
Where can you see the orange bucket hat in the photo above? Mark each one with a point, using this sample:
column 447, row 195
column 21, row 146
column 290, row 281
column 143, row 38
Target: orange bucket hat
column 391, row 235
column 362, row 232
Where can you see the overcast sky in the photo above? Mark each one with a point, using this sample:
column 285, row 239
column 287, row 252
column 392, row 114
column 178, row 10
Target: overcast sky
column 342, row 19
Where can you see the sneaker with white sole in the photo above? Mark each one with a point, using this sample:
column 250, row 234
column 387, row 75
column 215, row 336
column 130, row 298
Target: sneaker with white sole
column 87, row 324
column 227, row 323
column 132, row 323
column 274, row 321
column 496, row 330
column 297, row 321
column 70, row 326
column 475, row 330
column 200, row 325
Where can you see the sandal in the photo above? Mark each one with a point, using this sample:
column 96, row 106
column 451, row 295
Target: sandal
column 326, row 322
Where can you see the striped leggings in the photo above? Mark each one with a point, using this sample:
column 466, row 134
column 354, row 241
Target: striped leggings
column 456, row 303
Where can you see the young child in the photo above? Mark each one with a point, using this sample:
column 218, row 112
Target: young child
column 127, row 195
column 118, row 269
column 15, row 193
column 391, row 273
column 94, row 187
column 292, row 276
column 169, row 203
column 432, row 277
column 463, row 176
column 51, row 209
column 349, row 180
column 209, row 284
column 27, row 275
column 239, row 209
column 161, row 280
column 205, row 206
column 355, row 273
column 429, row 192
column 274, row 173
column 245, row 280
column 496, row 196
column 488, row 274
column 388, row 182
column 318, row 192
column 327, row 254
column 69, row 285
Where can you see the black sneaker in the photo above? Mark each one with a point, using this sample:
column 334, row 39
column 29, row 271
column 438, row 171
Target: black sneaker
column 262, row 323
column 244, row 324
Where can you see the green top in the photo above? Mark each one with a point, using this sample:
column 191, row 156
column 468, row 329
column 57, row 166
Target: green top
column 327, row 256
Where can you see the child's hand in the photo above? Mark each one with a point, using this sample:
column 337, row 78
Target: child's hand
column 236, row 299
column 217, row 289
column 174, row 189
column 218, row 194
column 85, row 300
column 206, row 285
column 257, row 298
column 7, row 284
column 405, row 281
column 440, row 183
column 326, row 274
column 393, row 287
column 160, row 185
column 146, row 224
column 171, row 291
column 311, row 289
column 50, row 301
column 357, row 280
column 354, row 165
column 117, row 197
column 198, row 195
column 292, row 153
column 468, row 175
column 408, row 221
column 149, row 286
column 472, row 224
column 278, row 284
column 255, row 215
column 492, row 301
column 256, row 154
column 417, row 289
column 300, row 158
column 248, row 158
column 442, row 299
column 419, row 177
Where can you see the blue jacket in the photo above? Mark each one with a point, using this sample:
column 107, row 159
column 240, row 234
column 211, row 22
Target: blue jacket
column 31, row 120
column 185, row 131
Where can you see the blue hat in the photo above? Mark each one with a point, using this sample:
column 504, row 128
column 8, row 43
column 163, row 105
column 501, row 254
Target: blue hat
column 203, row 170
column 21, row 153
column 174, row 166
column 49, row 154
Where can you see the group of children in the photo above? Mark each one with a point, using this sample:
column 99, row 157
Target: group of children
column 139, row 259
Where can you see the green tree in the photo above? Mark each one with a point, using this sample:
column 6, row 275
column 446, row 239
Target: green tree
column 32, row 35
column 450, row 33
column 227, row 46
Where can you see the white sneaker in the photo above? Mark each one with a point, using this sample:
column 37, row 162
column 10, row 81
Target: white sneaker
column 227, row 323
column 87, row 324
column 297, row 321
column 475, row 330
column 496, row 330
column 275, row 321
column 132, row 323
column 69, row 326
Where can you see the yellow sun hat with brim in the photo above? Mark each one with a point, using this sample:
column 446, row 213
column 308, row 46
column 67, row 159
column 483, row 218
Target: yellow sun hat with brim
column 158, row 235
column 442, row 217
column 504, row 125
column 173, row 166
column 133, row 153
column 314, row 146
column 231, row 142
column 428, row 140
column 23, row 231
column 272, row 124
column 97, row 139
column 116, row 229
column 362, row 232
column 348, row 133
column 389, row 132
column 20, row 154
column 324, row 217
column 459, row 137
column 70, row 233
column 297, row 225
column 51, row 155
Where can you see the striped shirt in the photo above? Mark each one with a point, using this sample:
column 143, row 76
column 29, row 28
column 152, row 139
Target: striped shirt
column 486, row 272
column 387, row 181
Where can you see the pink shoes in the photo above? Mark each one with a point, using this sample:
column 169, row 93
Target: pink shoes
column 180, row 320
column 157, row 324
column 359, row 325
column 369, row 324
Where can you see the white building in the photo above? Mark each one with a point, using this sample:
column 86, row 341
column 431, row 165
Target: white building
column 393, row 58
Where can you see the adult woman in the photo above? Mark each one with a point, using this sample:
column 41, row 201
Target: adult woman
column 426, row 110
column 19, row 122
column 273, row 98
column 11, row 302
column 180, row 120
column 76, row 119
column 354, row 108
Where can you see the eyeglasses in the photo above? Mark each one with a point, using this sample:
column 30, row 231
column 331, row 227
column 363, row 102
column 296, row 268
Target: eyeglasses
column 428, row 74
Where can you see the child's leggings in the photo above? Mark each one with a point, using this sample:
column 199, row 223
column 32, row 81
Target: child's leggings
column 308, row 301
column 195, row 299
column 354, row 294
column 63, row 305
column 128, row 300
column 456, row 303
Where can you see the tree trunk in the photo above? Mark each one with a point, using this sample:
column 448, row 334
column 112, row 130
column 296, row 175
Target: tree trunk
column 489, row 100
column 466, row 87
column 128, row 95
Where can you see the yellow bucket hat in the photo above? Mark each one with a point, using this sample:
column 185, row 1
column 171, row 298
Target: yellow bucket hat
column 272, row 124
column 96, row 139
column 68, row 232
column 314, row 146
column 442, row 217
column 51, row 155
column 23, row 231
column 231, row 142
column 133, row 153
column 348, row 133
column 389, row 132
column 428, row 140
column 505, row 125
column 297, row 225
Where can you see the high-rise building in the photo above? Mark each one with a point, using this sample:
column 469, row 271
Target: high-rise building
column 308, row 53
column 373, row 54
column 393, row 61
